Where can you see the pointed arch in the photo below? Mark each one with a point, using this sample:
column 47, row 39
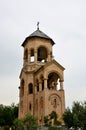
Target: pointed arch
column 26, row 54
column 52, row 80
column 30, row 88
column 42, row 54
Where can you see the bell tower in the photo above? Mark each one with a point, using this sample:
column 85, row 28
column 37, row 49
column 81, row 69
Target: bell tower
column 41, row 88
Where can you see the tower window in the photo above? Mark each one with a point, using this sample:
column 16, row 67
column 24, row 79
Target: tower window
column 42, row 54
column 26, row 54
column 42, row 84
column 30, row 88
column 38, row 87
column 52, row 80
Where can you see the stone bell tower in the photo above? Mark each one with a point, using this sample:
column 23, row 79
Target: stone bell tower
column 41, row 79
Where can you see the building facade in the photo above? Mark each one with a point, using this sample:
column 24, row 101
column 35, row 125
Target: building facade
column 41, row 79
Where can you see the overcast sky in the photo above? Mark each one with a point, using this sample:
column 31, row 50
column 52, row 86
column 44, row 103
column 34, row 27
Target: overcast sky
column 64, row 21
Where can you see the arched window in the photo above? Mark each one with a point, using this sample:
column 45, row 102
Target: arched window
column 42, row 84
column 22, row 88
column 52, row 80
column 37, row 85
column 42, row 54
column 26, row 54
column 30, row 88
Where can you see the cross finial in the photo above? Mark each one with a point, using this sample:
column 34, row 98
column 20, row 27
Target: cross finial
column 37, row 25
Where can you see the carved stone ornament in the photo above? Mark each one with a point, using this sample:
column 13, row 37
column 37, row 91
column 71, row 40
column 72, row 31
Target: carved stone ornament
column 55, row 100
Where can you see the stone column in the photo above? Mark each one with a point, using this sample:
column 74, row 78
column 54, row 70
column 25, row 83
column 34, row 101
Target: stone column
column 35, row 88
column 40, row 86
column 56, row 85
column 25, row 61
column 29, row 56
column 61, row 84
column 45, row 83
column 49, row 57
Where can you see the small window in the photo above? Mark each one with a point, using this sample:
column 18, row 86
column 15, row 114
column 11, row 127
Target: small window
column 54, row 103
column 42, row 84
column 30, row 88
column 26, row 54
column 30, row 106
column 37, row 87
column 42, row 54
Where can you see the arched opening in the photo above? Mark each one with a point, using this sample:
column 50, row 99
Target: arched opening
column 42, row 54
column 53, row 81
column 37, row 85
column 26, row 54
column 32, row 55
column 22, row 88
column 42, row 84
column 30, row 88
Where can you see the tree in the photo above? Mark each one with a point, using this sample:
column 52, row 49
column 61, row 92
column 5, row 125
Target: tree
column 68, row 117
column 46, row 120
column 28, row 121
column 8, row 114
column 76, row 117
column 52, row 116
column 18, row 124
column 1, row 114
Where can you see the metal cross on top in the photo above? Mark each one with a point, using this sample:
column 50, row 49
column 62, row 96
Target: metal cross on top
column 37, row 25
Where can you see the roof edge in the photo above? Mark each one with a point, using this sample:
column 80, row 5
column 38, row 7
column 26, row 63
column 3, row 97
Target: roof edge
column 38, row 34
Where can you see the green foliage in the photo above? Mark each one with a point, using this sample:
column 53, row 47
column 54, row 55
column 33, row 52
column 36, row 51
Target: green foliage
column 28, row 121
column 46, row 119
column 52, row 116
column 68, row 117
column 8, row 114
column 18, row 123
column 76, row 117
